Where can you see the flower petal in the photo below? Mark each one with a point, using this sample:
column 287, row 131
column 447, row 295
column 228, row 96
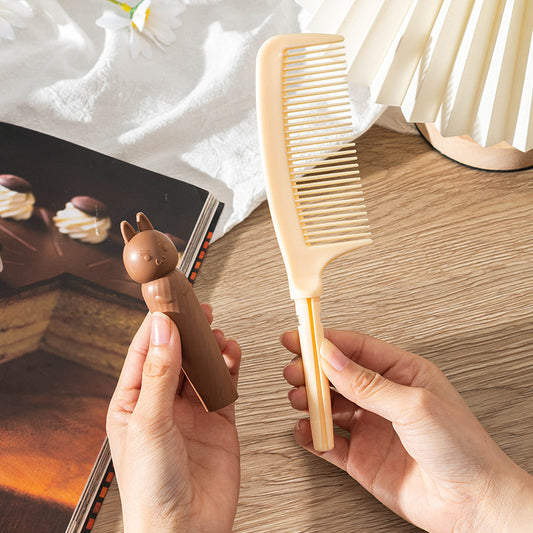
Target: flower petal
column 135, row 45
column 162, row 32
column 140, row 15
column 148, row 33
column 110, row 21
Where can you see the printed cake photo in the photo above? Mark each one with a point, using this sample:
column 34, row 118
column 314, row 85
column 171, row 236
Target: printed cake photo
column 68, row 310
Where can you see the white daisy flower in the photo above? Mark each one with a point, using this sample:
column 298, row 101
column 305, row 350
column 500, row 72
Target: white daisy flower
column 12, row 15
column 148, row 21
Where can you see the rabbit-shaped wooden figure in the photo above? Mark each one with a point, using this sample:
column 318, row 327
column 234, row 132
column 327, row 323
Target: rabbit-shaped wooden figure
column 151, row 258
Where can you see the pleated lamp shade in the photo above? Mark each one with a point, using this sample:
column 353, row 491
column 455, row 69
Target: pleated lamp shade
column 461, row 69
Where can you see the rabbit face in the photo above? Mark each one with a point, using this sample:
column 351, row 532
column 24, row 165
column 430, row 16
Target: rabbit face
column 148, row 254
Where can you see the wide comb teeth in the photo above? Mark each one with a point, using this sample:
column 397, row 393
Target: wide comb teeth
column 320, row 150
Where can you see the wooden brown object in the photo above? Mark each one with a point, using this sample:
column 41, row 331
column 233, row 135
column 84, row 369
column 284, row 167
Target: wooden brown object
column 151, row 258
column 464, row 150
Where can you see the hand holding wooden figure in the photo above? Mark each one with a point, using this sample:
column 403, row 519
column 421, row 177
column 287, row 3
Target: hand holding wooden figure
column 174, row 444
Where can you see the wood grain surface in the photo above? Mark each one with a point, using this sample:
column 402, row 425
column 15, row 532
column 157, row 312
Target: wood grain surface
column 449, row 276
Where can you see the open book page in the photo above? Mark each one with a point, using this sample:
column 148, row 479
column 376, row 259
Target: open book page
column 69, row 309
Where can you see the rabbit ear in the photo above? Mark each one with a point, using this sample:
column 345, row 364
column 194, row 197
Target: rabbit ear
column 143, row 223
column 127, row 231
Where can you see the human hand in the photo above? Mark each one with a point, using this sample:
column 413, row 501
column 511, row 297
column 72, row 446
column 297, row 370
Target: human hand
column 177, row 466
column 414, row 443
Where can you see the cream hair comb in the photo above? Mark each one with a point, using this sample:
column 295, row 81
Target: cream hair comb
column 312, row 181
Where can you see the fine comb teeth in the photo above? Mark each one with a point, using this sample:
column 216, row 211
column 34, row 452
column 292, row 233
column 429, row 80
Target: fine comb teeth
column 317, row 123
column 309, row 156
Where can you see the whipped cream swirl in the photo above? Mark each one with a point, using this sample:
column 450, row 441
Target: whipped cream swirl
column 78, row 225
column 17, row 205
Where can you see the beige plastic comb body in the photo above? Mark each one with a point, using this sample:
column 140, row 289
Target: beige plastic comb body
column 312, row 182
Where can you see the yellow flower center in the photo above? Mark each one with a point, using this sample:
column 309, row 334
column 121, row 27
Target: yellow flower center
column 145, row 19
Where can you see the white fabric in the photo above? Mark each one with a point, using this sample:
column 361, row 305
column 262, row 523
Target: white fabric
column 188, row 112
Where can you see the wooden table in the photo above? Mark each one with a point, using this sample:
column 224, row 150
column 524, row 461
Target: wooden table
column 448, row 276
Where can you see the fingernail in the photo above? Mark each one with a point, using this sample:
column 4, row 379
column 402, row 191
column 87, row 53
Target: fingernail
column 302, row 432
column 160, row 333
column 333, row 356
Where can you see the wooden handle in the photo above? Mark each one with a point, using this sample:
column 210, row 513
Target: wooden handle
column 202, row 361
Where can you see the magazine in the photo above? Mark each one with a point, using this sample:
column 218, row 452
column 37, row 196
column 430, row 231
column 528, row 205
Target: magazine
column 68, row 312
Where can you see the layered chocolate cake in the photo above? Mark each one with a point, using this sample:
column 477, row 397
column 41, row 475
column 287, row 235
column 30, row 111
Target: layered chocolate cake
column 61, row 244
column 45, row 271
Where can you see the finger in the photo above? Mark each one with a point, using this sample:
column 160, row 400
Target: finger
column 208, row 312
column 220, row 338
column 161, row 371
column 364, row 387
column 291, row 341
column 396, row 364
column 392, row 362
column 233, row 356
column 298, row 398
column 360, row 348
column 343, row 411
column 231, row 351
column 129, row 383
column 294, row 372
column 338, row 456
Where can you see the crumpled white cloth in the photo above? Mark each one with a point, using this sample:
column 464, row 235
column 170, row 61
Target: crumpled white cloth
column 188, row 112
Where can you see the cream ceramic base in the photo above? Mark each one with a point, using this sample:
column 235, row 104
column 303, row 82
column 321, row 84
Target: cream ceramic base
column 501, row 156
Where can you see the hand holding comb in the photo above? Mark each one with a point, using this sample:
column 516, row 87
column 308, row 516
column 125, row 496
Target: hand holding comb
column 312, row 182
column 150, row 258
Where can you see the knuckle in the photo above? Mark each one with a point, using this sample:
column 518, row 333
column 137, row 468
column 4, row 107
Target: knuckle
column 156, row 369
column 366, row 382
column 422, row 402
column 428, row 370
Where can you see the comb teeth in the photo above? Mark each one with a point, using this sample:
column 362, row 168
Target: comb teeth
column 320, row 150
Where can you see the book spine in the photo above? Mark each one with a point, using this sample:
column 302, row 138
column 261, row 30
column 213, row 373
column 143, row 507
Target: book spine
column 99, row 499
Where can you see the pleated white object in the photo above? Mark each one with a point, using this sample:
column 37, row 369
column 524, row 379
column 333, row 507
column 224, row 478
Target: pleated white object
column 465, row 65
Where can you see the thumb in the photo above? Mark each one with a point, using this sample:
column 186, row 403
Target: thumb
column 161, row 370
column 364, row 387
